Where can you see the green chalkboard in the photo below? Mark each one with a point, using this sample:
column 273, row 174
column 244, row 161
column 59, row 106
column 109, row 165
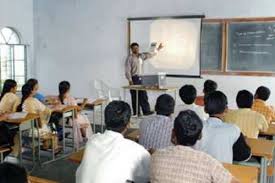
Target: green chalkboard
column 251, row 46
column 211, row 46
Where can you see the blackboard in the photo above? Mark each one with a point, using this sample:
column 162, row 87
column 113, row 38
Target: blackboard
column 251, row 46
column 211, row 46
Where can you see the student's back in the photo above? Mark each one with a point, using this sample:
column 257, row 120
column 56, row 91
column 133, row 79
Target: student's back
column 9, row 100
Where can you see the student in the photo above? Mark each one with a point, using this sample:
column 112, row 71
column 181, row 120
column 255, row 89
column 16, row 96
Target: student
column 82, row 130
column 250, row 122
column 6, row 135
column 34, row 83
column 223, row 141
column 209, row 87
column 156, row 130
column 181, row 163
column 11, row 173
column 261, row 96
column 188, row 94
column 8, row 99
column 109, row 157
column 32, row 105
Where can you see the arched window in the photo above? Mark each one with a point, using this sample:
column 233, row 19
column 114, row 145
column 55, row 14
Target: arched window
column 12, row 57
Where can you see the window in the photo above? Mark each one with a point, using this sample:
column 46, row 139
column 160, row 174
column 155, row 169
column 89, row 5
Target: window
column 12, row 57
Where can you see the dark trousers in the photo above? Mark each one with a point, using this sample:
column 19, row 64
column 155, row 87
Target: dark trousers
column 142, row 98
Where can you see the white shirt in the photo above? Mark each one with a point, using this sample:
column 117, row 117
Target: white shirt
column 199, row 110
column 110, row 158
column 218, row 139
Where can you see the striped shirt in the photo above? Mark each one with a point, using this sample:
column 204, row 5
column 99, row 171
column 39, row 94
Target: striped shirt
column 250, row 122
column 261, row 107
column 156, row 131
column 182, row 164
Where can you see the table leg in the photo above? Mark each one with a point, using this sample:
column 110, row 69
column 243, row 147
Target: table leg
column 137, row 106
column 63, row 131
column 33, row 141
column 263, row 176
column 94, row 119
column 73, row 126
column 101, row 117
column 38, row 134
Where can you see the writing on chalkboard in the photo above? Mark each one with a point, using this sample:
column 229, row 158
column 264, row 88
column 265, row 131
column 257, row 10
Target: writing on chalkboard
column 251, row 46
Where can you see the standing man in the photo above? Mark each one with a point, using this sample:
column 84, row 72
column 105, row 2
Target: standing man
column 133, row 71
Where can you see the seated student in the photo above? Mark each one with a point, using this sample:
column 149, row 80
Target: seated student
column 11, row 173
column 109, row 157
column 6, row 135
column 8, row 99
column 261, row 96
column 188, row 94
column 250, row 122
column 32, row 105
column 34, row 83
column 223, row 141
column 83, row 129
column 209, row 87
column 181, row 163
column 156, row 130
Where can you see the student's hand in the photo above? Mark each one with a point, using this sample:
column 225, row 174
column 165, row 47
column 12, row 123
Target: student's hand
column 160, row 47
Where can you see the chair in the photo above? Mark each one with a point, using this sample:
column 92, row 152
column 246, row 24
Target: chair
column 105, row 92
column 2, row 151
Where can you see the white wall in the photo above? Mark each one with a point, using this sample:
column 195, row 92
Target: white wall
column 81, row 40
column 18, row 14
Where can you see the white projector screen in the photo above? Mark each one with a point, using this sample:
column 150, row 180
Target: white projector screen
column 181, row 39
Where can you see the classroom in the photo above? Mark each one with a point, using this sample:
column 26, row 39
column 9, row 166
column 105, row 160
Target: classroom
column 170, row 91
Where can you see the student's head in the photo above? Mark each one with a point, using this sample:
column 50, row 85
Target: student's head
column 134, row 48
column 64, row 89
column 187, row 128
column 215, row 103
column 27, row 91
column 262, row 93
column 11, row 173
column 34, row 84
column 117, row 116
column 188, row 94
column 165, row 105
column 244, row 99
column 9, row 86
column 209, row 87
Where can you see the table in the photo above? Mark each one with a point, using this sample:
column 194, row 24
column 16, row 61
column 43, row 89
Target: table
column 24, row 124
column 265, row 150
column 270, row 132
column 92, row 105
column 32, row 179
column 138, row 88
column 244, row 174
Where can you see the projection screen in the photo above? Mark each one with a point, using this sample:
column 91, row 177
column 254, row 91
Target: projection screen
column 180, row 36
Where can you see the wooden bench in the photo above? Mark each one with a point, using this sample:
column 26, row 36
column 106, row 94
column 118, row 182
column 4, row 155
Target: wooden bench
column 2, row 151
column 32, row 179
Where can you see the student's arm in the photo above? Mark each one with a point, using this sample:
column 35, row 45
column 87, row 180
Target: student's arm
column 148, row 55
column 142, row 171
column 263, row 124
column 219, row 173
column 84, row 103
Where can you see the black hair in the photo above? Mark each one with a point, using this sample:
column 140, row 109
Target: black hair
column 244, row 99
column 117, row 116
column 209, row 86
column 187, row 128
column 215, row 103
column 188, row 94
column 26, row 92
column 32, row 82
column 64, row 87
column 262, row 93
column 134, row 44
column 165, row 105
column 11, row 173
column 8, row 85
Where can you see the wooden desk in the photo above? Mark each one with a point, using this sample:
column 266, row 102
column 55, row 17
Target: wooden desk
column 138, row 88
column 77, row 157
column 32, row 179
column 244, row 174
column 270, row 131
column 25, row 124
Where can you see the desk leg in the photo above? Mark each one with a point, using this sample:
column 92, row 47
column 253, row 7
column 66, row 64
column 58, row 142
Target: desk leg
column 263, row 176
column 101, row 117
column 20, row 146
column 33, row 141
column 74, row 126
column 94, row 119
column 137, row 103
column 63, row 131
